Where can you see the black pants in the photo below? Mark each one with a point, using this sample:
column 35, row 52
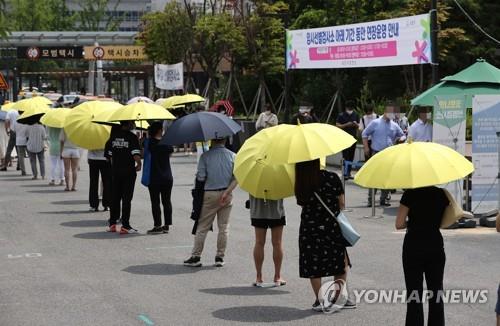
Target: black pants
column 164, row 192
column 97, row 167
column 348, row 155
column 122, row 192
column 416, row 265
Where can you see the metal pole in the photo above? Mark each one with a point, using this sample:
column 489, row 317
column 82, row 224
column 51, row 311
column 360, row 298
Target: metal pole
column 434, row 42
column 14, row 85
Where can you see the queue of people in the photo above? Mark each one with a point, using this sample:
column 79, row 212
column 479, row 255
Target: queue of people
column 322, row 248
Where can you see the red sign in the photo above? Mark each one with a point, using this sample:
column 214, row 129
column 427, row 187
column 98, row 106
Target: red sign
column 3, row 82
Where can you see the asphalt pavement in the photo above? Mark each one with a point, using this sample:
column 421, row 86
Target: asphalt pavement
column 60, row 267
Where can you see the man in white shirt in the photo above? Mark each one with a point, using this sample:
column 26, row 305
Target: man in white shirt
column 421, row 130
column 21, row 143
column 10, row 128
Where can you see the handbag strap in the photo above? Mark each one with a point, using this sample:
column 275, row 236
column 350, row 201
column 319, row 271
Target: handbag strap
column 326, row 207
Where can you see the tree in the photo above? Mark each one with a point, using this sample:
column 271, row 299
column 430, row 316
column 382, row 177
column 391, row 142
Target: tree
column 216, row 36
column 167, row 35
column 265, row 34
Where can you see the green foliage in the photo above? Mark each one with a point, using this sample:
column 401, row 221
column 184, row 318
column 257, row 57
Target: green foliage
column 167, row 35
column 216, row 36
column 264, row 31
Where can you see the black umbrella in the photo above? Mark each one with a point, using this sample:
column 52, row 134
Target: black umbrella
column 32, row 119
column 200, row 126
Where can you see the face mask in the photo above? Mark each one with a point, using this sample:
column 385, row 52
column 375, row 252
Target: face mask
column 349, row 112
column 390, row 116
column 429, row 115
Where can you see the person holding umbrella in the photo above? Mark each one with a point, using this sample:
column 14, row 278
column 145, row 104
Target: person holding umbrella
column 157, row 176
column 36, row 148
column 215, row 169
column 125, row 153
column 424, row 209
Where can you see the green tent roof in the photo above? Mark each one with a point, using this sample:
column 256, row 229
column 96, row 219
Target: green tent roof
column 481, row 78
column 479, row 72
column 456, row 88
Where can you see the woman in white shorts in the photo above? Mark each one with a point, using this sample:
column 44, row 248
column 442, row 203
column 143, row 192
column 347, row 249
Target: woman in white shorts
column 70, row 154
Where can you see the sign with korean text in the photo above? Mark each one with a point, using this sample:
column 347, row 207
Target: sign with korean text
column 118, row 52
column 448, row 129
column 391, row 42
column 49, row 52
column 449, row 125
column 169, row 77
column 485, row 152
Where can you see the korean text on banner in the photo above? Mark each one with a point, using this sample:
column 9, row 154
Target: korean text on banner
column 448, row 129
column 449, row 121
column 391, row 42
column 485, row 152
column 169, row 77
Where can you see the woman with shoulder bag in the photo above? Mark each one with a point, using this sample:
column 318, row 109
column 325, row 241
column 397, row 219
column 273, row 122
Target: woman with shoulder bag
column 421, row 213
column 322, row 248
column 157, row 176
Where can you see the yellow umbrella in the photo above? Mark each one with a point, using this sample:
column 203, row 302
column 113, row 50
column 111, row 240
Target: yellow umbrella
column 104, row 116
column 55, row 118
column 31, row 105
column 413, row 165
column 9, row 106
column 305, row 142
column 42, row 99
column 259, row 177
column 141, row 111
column 256, row 175
column 179, row 100
column 82, row 131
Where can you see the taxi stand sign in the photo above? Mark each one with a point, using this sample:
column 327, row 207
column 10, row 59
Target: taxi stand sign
column 118, row 52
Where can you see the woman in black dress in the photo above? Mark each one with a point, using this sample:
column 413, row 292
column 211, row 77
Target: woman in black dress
column 423, row 252
column 322, row 251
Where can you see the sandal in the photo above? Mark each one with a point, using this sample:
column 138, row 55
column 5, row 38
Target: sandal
column 52, row 183
column 280, row 283
column 258, row 284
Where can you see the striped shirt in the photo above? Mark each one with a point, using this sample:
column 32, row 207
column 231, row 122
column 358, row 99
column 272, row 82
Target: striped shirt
column 36, row 138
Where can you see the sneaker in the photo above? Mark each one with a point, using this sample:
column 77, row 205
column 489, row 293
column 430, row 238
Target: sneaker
column 3, row 169
column 124, row 230
column 165, row 228
column 93, row 209
column 156, row 230
column 61, row 183
column 119, row 221
column 193, row 262
column 385, row 203
column 219, row 262
column 317, row 306
column 105, row 208
column 112, row 228
column 349, row 304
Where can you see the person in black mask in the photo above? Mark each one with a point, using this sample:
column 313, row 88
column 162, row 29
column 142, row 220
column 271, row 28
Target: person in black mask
column 349, row 122
column 124, row 151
